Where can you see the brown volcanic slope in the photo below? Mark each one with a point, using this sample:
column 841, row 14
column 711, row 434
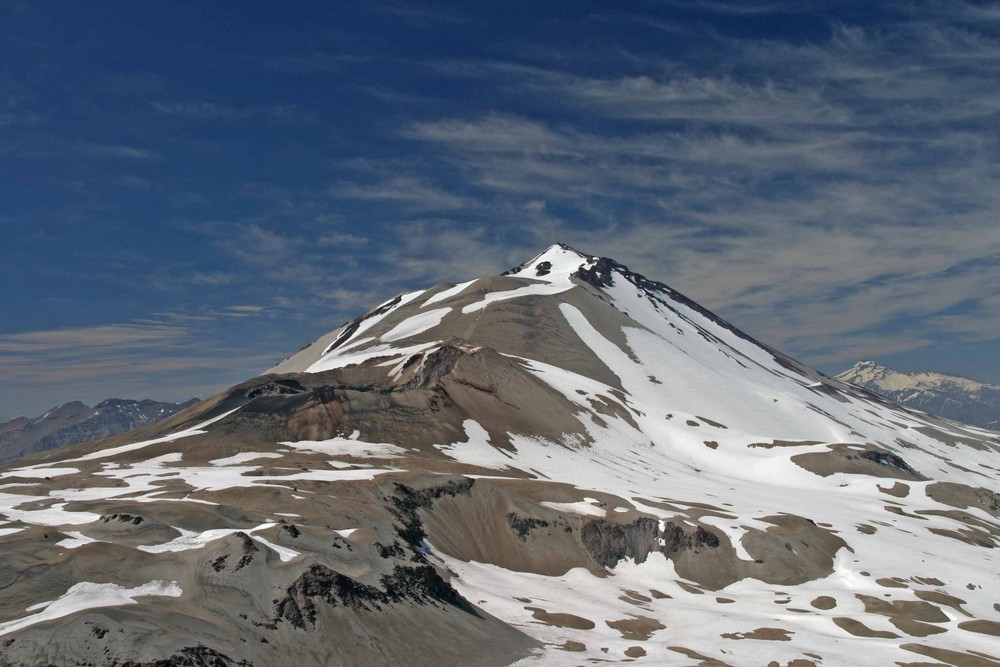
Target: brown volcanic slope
column 565, row 464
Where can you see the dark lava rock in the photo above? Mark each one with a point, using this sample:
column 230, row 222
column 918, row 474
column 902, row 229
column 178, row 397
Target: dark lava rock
column 888, row 459
column 406, row 501
column 599, row 275
column 282, row 387
column 675, row 539
column 191, row 656
column 122, row 518
column 394, row 550
column 320, row 582
column 421, row 585
column 438, row 364
column 607, row 542
column 219, row 564
column 523, row 525
column 249, row 549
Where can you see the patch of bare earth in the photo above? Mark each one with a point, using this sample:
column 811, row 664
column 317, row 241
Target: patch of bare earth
column 561, row 620
column 763, row 634
column 981, row 626
column 638, row 628
column 859, row 629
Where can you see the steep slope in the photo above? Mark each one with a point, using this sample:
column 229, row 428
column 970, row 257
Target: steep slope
column 563, row 464
column 75, row 422
column 950, row 396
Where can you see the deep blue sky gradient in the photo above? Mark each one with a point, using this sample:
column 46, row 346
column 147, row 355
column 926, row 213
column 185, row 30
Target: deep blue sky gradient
column 191, row 191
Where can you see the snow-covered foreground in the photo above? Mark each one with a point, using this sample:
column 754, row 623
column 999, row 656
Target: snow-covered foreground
column 893, row 557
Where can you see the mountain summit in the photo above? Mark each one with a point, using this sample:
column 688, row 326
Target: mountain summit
column 565, row 463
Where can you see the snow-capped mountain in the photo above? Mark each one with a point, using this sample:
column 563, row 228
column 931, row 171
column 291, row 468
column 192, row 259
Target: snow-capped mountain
column 75, row 422
column 564, row 464
column 950, row 396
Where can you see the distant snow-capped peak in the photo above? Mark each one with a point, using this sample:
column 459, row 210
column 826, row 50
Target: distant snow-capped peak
column 950, row 396
column 873, row 373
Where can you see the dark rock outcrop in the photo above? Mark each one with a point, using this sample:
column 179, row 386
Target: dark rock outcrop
column 191, row 656
column 887, row 459
column 419, row 584
column 407, row 501
column 523, row 525
column 608, row 543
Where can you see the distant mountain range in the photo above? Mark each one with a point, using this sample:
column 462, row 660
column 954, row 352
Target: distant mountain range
column 76, row 422
column 950, row 396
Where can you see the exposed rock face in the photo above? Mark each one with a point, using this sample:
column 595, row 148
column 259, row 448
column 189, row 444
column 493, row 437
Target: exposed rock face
column 407, row 502
column 190, row 656
column 524, row 525
column 675, row 539
column 608, row 543
column 418, row 584
column 569, row 463
column 73, row 423
column 949, row 396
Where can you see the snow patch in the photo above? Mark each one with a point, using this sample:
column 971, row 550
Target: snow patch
column 244, row 457
column 417, row 324
column 40, row 472
column 447, row 294
column 342, row 359
column 76, row 539
column 348, row 447
column 586, row 507
column 87, row 595
column 115, row 451
column 539, row 289
column 476, row 450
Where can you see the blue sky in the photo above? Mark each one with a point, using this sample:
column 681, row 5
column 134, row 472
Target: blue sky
column 191, row 191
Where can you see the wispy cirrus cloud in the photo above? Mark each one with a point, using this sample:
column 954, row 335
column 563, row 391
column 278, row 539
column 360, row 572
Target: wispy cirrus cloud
column 73, row 340
column 121, row 151
column 410, row 192
column 203, row 110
